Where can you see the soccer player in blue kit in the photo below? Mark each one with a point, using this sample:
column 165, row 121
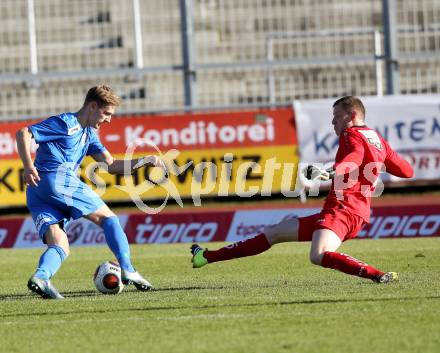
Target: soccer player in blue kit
column 55, row 193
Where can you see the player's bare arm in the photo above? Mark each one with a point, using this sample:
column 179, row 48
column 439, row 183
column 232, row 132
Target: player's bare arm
column 118, row 166
column 24, row 138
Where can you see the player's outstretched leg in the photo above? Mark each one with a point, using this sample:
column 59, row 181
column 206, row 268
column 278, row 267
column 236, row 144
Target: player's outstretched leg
column 248, row 247
column 284, row 231
column 118, row 244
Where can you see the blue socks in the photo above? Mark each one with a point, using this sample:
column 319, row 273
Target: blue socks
column 50, row 262
column 53, row 257
column 117, row 242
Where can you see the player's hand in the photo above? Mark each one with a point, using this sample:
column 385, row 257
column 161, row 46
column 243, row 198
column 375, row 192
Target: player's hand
column 313, row 173
column 151, row 161
column 31, row 176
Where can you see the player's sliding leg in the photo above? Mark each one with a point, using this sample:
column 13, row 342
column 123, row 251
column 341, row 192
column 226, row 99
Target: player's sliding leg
column 248, row 247
column 118, row 243
column 50, row 262
column 285, row 231
column 325, row 242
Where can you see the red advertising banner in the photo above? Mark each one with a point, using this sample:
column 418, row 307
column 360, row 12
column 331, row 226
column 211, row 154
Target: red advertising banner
column 8, row 146
column 9, row 230
column 402, row 222
column 268, row 127
column 178, row 227
column 217, row 153
column 413, row 221
column 183, row 131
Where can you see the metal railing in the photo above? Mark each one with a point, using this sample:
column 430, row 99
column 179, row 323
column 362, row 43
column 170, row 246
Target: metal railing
column 378, row 57
column 383, row 59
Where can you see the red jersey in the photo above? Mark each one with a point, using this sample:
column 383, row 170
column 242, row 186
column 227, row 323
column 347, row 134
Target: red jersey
column 361, row 155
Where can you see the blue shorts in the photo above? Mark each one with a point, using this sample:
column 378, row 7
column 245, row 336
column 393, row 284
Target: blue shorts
column 58, row 198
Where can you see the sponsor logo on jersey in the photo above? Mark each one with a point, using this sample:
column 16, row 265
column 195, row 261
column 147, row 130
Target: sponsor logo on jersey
column 73, row 130
column 372, row 138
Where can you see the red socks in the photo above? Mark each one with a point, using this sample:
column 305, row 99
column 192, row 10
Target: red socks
column 248, row 247
column 259, row 244
column 350, row 265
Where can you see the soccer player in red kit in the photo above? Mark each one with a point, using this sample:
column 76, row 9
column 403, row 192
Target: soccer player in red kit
column 361, row 156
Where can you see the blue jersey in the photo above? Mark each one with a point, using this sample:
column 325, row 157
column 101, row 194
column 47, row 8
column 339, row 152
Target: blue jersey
column 60, row 194
column 63, row 142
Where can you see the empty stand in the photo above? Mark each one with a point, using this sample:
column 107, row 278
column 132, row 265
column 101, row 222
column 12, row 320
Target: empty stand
column 319, row 48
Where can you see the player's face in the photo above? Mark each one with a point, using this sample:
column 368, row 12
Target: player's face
column 101, row 115
column 341, row 119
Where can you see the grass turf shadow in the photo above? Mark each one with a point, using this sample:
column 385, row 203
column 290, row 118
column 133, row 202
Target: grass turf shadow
column 202, row 307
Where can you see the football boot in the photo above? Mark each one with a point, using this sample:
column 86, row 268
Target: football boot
column 135, row 278
column 198, row 260
column 387, row 277
column 44, row 288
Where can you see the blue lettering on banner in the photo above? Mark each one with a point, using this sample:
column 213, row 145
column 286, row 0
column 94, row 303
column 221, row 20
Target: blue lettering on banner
column 435, row 126
column 399, row 126
column 416, row 131
column 328, row 142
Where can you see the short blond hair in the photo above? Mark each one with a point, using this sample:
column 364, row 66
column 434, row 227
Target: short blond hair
column 103, row 95
column 350, row 103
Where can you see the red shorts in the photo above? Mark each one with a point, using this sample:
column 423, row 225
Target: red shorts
column 345, row 224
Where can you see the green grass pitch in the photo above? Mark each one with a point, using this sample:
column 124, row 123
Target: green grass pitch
column 274, row 302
